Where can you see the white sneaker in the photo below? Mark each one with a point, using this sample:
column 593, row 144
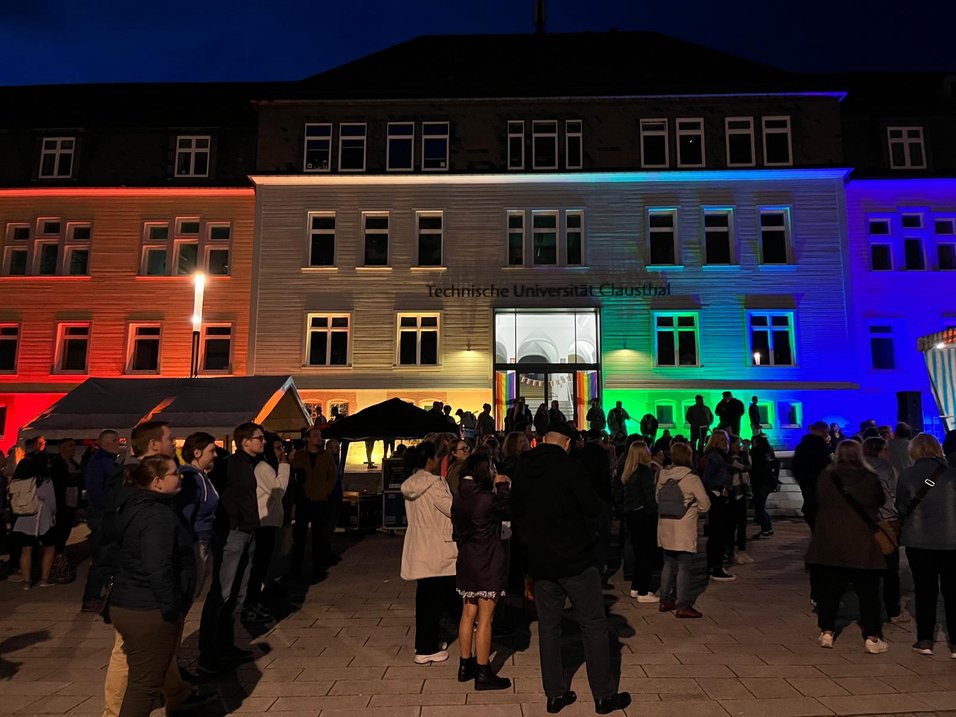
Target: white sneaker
column 15, row 578
column 439, row 656
column 876, row 647
column 825, row 640
column 743, row 559
column 649, row 598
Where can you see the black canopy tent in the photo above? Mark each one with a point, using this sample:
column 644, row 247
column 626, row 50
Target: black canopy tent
column 389, row 419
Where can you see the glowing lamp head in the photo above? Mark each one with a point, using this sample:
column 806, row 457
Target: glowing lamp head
column 200, row 280
column 941, row 345
column 756, row 358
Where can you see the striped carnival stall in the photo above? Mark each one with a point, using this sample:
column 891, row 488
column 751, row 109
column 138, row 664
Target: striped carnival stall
column 939, row 349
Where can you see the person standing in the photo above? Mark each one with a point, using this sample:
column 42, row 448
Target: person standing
column 810, row 458
column 730, row 410
column 486, row 422
column 899, row 448
column 67, row 483
column 197, row 500
column 764, row 479
column 101, row 468
column 541, row 420
column 555, row 414
column 634, row 493
column 595, row 417
column 35, row 529
column 718, row 479
column 617, row 419
column 595, row 467
column 555, row 510
column 753, row 413
column 699, row 417
column 315, row 479
column 648, row 428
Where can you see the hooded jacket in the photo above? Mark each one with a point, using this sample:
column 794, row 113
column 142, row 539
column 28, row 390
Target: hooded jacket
column 681, row 533
column 238, row 500
column 197, row 501
column 554, row 508
column 932, row 525
column 428, row 551
column 156, row 567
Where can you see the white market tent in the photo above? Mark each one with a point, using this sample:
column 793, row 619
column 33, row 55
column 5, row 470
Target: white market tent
column 939, row 350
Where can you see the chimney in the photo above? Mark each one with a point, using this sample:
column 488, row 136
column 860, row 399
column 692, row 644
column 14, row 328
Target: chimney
column 540, row 16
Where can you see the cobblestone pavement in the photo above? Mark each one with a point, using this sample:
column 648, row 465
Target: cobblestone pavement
column 344, row 648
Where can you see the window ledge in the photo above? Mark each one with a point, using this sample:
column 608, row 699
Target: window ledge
column 404, row 367
column 664, row 267
column 373, row 269
column 317, row 269
column 323, row 369
column 428, row 268
column 720, row 267
column 544, row 267
column 777, row 267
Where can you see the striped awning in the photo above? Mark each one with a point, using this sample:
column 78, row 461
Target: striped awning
column 939, row 350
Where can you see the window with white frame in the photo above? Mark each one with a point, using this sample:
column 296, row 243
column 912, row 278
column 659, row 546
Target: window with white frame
column 718, row 237
column 435, row 146
column 764, row 414
column 56, row 248
column 400, row 148
column 515, row 238
column 690, row 142
column 418, row 336
column 216, row 348
column 352, row 147
column 654, row 152
column 881, row 248
column 945, row 243
column 662, row 237
column 318, row 147
column 56, row 157
column 676, row 339
column 574, row 237
column 914, row 255
column 906, row 147
column 375, row 230
column 186, row 246
column 882, row 347
column 72, row 348
column 430, row 231
column 771, row 338
column 327, row 342
column 777, row 144
column 573, row 144
column 790, row 414
column 17, row 252
column 155, row 249
column 544, row 237
column 76, row 260
column 192, row 156
column 775, row 236
column 516, row 144
column 740, row 141
column 544, row 144
column 666, row 413
column 142, row 355
column 9, row 347
column 216, row 254
column 321, row 239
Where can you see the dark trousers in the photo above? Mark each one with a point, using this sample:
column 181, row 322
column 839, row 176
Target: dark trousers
column 738, row 529
column 432, row 597
column 265, row 544
column 587, row 602
column 891, row 584
column 602, row 544
column 934, row 571
column 698, row 438
column 95, row 578
column 761, row 493
column 642, row 530
column 64, row 526
column 149, row 643
column 317, row 514
column 829, row 584
column 232, row 560
column 719, row 525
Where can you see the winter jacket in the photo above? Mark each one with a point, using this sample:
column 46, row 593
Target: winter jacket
column 542, row 420
column 197, row 501
column 596, row 419
column 429, row 550
column 270, row 490
column 764, row 468
column 157, row 564
column 101, row 467
column 638, row 493
column 476, row 514
column 730, row 412
column 810, row 458
column 899, row 449
column 698, row 416
column 717, row 475
column 681, row 533
column 841, row 537
column 486, row 424
column 237, row 499
column 554, row 509
column 886, row 474
column 596, row 467
column 932, row 524
column 315, row 475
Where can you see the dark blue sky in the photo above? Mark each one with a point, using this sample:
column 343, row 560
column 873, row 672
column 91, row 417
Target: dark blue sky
column 68, row 41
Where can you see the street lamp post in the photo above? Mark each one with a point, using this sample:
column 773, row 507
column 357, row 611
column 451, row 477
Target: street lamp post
column 200, row 285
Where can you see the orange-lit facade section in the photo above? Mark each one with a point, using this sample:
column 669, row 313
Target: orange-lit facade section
column 100, row 283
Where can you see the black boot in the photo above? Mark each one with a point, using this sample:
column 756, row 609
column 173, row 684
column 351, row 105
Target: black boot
column 486, row 679
column 607, row 705
column 467, row 669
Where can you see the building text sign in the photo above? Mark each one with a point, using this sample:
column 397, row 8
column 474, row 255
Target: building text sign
column 543, row 291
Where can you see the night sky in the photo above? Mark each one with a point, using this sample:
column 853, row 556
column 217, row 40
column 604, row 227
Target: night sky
column 72, row 41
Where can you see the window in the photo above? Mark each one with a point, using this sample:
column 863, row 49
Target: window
column 906, row 147
column 515, row 238
column 327, row 343
column 322, row 239
column 675, row 342
column 879, row 226
column 881, row 257
column 430, row 227
column 763, row 413
column 400, row 150
column 654, row 143
column 881, row 347
column 194, row 245
column 418, row 339
column 718, row 236
column 665, row 412
column 318, row 147
column 192, row 156
column 155, row 241
column 913, row 257
column 143, row 352
column 516, row 144
column 56, row 157
column 912, row 221
column 375, row 226
column 217, row 249
column 47, row 258
column 945, row 227
column 434, row 146
column 690, row 142
column 186, row 246
column 774, row 236
column 18, row 232
column 574, row 238
column 790, row 414
column 9, row 343
column 544, row 144
column 777, row 146
column 573, row 144
column 216, row 343
column 15, row 262
column 662, row 236
column 72, row 348
column 740, row 141
column 58, row 249
column 771, row 339
column 544, row 237
column 946, row 243
column 352, row 147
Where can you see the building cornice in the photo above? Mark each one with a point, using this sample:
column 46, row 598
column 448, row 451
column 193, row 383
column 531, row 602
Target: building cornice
column 126, row 191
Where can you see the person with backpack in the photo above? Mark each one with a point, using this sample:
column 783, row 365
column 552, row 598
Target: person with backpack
column 680, row 499
column 634, row 498
column 33, row 505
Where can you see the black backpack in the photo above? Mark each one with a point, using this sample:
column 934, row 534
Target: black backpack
column 670, row 500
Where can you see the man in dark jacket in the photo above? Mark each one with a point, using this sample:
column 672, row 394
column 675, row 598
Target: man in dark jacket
column 810, row 457
column 753, row 413
column 595, row 467
column 554, row 509
column 730, row 410
column 101, row 467
column 699, row 417
column 316, row 476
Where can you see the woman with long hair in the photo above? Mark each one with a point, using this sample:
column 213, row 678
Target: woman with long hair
column 479, row 507
column 843, row 548
column 458, row 452
column 634, row 497
column 718, row 478
column 198, row 499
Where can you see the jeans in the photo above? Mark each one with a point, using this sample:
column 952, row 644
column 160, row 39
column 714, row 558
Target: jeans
column 432, row 597
column 318, row 514
column 95, row 578
column 149, row 642
column 587, row 602
column 934, row 571
column 830, row 583
column 642, row 530
column 761, row 493
column 232, row 561
column 675, row 578
column 265, row 544
column 891, row 584
column 719, row 526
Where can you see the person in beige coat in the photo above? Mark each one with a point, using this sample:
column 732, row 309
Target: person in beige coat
column 429, row 553
column 678, row 536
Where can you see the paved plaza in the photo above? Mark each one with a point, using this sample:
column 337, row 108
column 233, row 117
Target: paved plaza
column 344, row 649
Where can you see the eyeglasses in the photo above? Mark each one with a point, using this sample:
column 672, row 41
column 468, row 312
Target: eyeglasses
column 257, row 438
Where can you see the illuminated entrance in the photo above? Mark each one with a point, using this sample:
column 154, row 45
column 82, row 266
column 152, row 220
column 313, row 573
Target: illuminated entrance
column 547, row 356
